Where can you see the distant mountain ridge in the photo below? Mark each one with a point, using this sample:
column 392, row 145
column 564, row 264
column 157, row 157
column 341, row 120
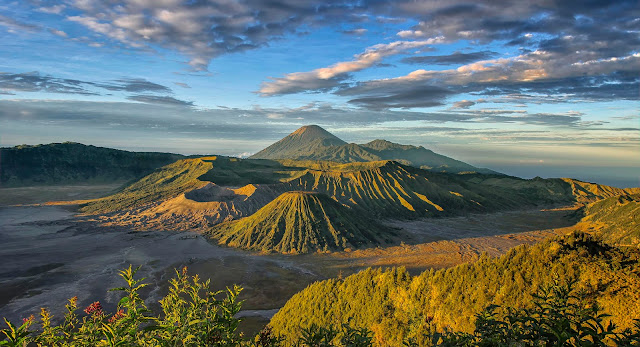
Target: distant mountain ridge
column 71, row 163
column 312, row 142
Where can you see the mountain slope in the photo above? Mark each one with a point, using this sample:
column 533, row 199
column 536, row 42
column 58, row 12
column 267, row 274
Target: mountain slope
column 616, row 219
column 166, row 182
column 301, row 222
column 198, row 193
column 395, row 305
column 419, row 157
column 314, row 143
column 307, row 139
column 64, row 163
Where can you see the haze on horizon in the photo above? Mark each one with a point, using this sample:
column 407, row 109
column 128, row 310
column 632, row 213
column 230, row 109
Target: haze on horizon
column 536, row 88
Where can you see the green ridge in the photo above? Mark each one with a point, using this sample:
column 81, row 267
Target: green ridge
column 301, row 222
column 166, row 182
column 617, row 219
column 395, row 305
column 69, row 163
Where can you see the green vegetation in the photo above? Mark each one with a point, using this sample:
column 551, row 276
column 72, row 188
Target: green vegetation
column 70, row 163
column 193, row 315
column 559, row 317
column 301, row 222
column 616, row 219
column 166, row 182
column 399, row 307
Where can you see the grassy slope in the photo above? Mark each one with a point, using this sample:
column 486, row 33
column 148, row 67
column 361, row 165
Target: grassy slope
column 394, row 304
column 301, row 222
column 616, row 219
column 166, row 182
column 72, row 163
column 389, row 189
column 381, row 189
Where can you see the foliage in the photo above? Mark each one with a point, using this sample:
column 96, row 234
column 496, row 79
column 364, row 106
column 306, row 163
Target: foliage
column 560, row 316
column 397, row 307
column 616, row 219
column 192, row 315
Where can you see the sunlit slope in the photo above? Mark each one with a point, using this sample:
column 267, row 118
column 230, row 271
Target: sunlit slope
column 166, row 182
column 209, row 205
column 585, row 192
column 301, row 222
column 395, row 305
column 209, row 187
column 616, row 220
column 390, row 189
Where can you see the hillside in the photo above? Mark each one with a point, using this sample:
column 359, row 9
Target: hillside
column 307, row 139
column 314, row 143
column 166, row 182
column 301, row 222
column 395, row 305
column 202, row 192
column 65, row 163
column 616, row 219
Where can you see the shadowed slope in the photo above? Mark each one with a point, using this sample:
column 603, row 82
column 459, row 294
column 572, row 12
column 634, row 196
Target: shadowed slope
column 301, row 222
column 419, row 157
column 72, row 163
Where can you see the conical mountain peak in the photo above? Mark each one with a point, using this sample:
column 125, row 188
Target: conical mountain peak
column 301, row 222
column 311, row 142
column 304, row 141
column 312, row 132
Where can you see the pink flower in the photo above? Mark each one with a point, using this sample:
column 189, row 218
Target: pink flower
column 28, row 320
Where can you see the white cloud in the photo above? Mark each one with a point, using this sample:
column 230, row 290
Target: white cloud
column 55, row 9
column 329, row 77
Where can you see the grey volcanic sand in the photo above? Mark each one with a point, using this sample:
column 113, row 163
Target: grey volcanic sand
column 48, row 256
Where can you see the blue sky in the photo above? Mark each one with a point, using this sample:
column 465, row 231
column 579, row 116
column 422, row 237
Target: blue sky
column 536, row 88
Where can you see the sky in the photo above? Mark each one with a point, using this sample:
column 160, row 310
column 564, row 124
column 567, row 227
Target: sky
column 528, row 88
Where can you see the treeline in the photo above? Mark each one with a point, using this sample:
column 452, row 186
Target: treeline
column 397, row 307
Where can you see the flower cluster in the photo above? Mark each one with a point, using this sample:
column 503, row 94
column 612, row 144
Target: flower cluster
column 118, row 315
column 28, row 320
column 94, row 309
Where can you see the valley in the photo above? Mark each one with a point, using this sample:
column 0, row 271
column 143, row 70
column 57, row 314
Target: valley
column 283, row 221
column 74, row 255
